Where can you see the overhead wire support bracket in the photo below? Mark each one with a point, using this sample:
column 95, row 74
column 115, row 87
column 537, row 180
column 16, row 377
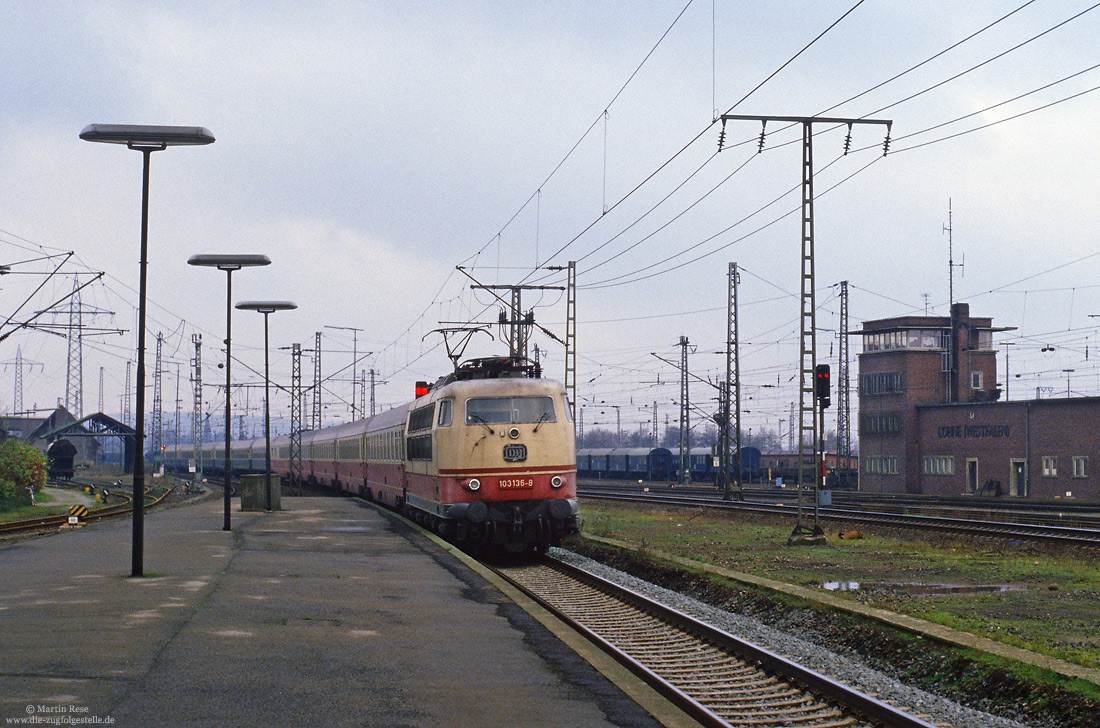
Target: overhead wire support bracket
column 811, row 423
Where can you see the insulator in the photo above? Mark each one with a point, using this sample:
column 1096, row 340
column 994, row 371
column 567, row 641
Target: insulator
column 722, row 136
column 848, row 140
column 763, row 127
column 886, row 144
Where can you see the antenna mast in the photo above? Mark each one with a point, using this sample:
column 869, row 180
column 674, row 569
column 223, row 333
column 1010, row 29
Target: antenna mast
column 951, row 264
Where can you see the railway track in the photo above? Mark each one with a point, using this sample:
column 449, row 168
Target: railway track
column 967, row 526
column 1056, row 513
column 717, row 678
column 46, row 524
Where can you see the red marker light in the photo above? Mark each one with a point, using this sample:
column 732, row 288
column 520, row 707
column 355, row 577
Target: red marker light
column 422, row 388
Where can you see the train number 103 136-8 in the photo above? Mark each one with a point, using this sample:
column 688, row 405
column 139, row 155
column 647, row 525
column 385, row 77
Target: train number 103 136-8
column 513, row 483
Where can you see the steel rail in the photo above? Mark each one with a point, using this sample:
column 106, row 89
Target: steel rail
column 13, row 528
column 1054, row 512
column 707, row 698
column 1000, row 529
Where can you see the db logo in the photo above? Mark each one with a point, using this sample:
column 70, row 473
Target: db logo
column 515, row 453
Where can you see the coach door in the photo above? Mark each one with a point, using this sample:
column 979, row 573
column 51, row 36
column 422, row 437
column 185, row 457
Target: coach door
column 1017, row 478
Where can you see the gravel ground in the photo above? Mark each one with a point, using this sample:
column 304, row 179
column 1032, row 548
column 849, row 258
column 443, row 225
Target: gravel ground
column 797, row 644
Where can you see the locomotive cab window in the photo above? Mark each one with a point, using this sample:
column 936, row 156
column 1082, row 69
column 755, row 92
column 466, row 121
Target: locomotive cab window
column 510, row 410
column 445, row 408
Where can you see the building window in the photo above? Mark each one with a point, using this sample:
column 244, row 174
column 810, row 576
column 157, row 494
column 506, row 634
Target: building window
column 881, row 465
column 882, row 383
column 905, row 339
column 880, row 423
column 939, row 465
column 1080, row 466
column 975, row 380
column 1050, row 466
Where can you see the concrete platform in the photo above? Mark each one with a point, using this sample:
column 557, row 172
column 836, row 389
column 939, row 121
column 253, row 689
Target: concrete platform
column 326, row 613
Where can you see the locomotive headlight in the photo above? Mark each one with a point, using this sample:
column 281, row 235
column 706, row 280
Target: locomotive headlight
column 556, row 482
column 474, row 484
column 513, row 433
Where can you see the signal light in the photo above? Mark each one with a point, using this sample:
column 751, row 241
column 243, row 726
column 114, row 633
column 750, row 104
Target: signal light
column 821, row 385
column 422, row 388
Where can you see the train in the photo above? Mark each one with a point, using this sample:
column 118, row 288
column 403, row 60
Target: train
column 661, row 464
column 485, row 457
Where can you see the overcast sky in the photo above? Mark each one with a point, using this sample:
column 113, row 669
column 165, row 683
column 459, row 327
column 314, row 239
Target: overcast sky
column 369, row 148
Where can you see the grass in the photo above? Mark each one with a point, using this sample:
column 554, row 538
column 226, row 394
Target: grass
column 1053, row 607
column 42, row 509
column 976, row 678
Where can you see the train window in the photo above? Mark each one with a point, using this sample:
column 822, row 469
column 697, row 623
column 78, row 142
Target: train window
column 533, row 409
column 420, row 447
column 510, row 410
column 349, row 449
column 421, row 419
column 445, row 407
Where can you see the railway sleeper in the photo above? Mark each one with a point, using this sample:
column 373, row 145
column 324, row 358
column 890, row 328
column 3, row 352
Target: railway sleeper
column 719, row 675
column 797, row 701
column 723, row 697
column 719, row 668
column 778, row 714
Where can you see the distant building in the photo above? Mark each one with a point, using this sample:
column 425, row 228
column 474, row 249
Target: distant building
column 931, row 423
column 34, row 429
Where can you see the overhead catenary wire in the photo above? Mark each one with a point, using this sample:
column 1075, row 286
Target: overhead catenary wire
column 903, row 100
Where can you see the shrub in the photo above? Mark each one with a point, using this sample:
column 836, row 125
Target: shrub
column 21, row 467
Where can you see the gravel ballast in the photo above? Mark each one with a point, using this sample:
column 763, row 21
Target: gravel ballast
column 797, row 641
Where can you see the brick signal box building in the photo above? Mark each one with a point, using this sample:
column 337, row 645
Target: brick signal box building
column 931, row 421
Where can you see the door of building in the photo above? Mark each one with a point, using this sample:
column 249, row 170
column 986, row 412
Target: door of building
column 1017, row 477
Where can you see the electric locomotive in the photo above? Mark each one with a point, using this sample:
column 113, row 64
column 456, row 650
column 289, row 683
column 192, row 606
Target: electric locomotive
column 485, row 457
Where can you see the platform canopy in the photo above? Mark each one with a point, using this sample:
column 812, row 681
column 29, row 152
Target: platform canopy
column 97, row 425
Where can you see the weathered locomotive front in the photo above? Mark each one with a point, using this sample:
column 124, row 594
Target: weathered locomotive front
column 491, row 461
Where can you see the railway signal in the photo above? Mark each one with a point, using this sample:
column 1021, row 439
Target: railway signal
column 821, row 385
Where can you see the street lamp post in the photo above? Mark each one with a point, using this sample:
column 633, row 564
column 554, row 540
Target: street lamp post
column 228, row 263
column 266, row 308
column 145, row 139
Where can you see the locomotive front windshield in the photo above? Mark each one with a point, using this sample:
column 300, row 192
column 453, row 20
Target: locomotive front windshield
column 509, row 410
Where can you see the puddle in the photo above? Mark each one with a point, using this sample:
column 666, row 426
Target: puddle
column 921, row 590
column 840, row 585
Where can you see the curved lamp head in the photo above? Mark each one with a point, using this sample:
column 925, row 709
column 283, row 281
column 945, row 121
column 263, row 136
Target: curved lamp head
column 266, row 306
column 136, row 135
column 228, row 262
